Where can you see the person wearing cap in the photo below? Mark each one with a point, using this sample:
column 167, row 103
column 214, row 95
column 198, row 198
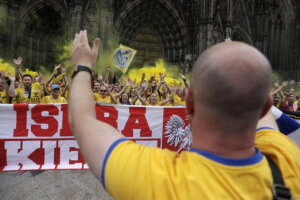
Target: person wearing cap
column 55, row 96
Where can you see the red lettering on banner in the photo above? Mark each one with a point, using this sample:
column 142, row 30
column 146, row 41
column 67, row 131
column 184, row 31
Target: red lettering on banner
column 80, row 157
column 69, row 155
column 37, row 130
column 21, row 120
column 38, row 156
column 18, row 153
column 3, row 161
column 107, row 114
column 137, row 120
column 56, row 156
column 65, row 130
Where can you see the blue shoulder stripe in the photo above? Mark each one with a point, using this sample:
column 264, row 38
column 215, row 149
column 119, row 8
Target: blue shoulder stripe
column 111, row 148
column 231, row 161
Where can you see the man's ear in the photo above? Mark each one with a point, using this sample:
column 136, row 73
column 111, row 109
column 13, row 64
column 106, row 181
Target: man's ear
column 267, row 106
column 189, row 99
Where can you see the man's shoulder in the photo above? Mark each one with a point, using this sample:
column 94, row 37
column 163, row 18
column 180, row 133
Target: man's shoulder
column 275, row 144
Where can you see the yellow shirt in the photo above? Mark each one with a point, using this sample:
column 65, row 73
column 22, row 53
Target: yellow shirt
column 4, row 97
column 133, row 171
column 36, row 93
column 50, row 99
column 67, row 94
column 107, row 99
column 148, row 104
column 178, row 101
column 35, row 96
column 20, row 97
column 169, row 103
column 138, row 103
column 96, row 96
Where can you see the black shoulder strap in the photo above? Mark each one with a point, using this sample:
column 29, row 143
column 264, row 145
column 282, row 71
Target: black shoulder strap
column 280, row 191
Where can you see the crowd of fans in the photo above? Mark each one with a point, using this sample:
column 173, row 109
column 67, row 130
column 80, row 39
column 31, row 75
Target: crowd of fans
column 285, row 99
column 26, row 89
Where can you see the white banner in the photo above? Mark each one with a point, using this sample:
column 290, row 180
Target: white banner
column 38, row 137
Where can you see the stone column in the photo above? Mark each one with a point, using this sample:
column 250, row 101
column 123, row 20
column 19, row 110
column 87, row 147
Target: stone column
column 106, row 26
column 209, row 35
column 3, row 29
column 75, row 23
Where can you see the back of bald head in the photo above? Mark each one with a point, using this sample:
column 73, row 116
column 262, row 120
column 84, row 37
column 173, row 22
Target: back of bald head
column 232, row 79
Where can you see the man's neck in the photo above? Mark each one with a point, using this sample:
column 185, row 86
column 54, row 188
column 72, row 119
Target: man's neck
column 55, row 96
column 228, row 144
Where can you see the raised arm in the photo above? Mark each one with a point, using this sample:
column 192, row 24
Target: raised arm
column 126, row 85
column 18, row 72
column 94, row 137
column 109, row 92
column 53, row 74
column 169, row 99
column 143, row 101
column 107, row 74
column 184, row 80
column 161, row 82
column 278, row 87
column 11, row 89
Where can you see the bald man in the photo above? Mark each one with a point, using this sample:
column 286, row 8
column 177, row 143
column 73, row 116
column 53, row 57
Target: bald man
column 230, row 83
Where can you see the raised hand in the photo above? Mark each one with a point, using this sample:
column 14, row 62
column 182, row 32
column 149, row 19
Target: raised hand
column 134, row 83
column 127, row 83
column 276, row 84
column 82, row 53
column 40, row 78
column 107, row 68
column 11, row 78
column 152, row 77
column 182, row 76
column 285, row 83
column 162, row 76
column 56, row 67
column 63, row 70
column 100, row 77
column 105, row 84
column 18, row 61
column 144, row 84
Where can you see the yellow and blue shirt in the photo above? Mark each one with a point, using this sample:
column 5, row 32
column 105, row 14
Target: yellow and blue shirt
column 133, row 171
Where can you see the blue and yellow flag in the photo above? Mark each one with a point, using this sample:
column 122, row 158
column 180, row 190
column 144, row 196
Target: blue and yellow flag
column 122, row 57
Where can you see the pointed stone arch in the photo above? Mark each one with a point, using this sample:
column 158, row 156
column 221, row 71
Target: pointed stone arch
column 239, row 34
column 147, row 43
column 167, row 22
column 40, row 33
column 34, row 6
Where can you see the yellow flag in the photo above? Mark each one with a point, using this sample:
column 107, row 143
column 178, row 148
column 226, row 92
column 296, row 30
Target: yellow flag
column 58, row 78
column 122, row 57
